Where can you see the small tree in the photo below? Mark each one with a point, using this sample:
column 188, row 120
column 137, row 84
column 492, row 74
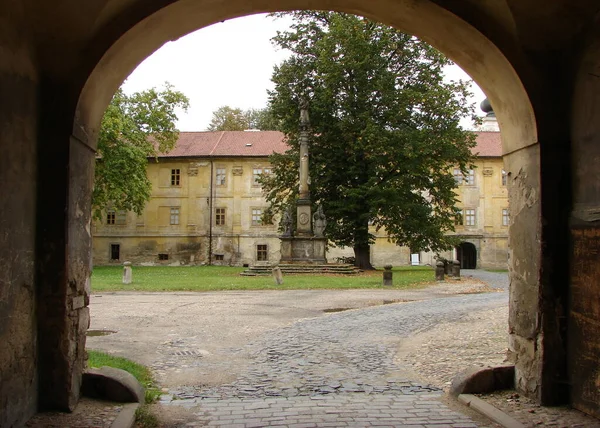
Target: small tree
column 385, row 131
column 134, row 128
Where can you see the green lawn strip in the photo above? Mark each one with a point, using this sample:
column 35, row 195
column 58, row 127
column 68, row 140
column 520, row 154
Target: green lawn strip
column 142, row 373
column 497, row 270
column 217, row 278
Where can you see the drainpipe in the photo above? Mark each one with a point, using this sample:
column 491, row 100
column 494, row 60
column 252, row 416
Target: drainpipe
column 210, row 216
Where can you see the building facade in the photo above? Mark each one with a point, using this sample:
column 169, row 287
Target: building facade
column 207, row 207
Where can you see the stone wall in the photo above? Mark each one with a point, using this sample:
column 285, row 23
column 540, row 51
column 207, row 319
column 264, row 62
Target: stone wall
column 18, row 349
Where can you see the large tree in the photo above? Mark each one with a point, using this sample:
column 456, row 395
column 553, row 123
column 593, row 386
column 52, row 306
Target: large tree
column 134, row 128
column 227, row 118
column 385, row 131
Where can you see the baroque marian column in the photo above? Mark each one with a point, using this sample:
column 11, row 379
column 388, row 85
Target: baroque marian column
column 303, row 207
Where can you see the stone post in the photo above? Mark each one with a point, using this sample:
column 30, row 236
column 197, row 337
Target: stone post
column 439, row 271
column 277, row 276
column 456, row 269
column 127, row 273
column 448, row 267
column 388, row 275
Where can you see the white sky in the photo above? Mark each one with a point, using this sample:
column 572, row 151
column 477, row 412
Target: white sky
column 228, row 63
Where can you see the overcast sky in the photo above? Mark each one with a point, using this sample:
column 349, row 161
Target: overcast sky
column 228, row 63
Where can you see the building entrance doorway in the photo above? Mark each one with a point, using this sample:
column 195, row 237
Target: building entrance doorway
column 115, row 252
column 466, row 254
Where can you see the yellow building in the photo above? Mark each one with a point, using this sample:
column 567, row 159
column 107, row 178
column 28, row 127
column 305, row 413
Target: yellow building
column 207, row 207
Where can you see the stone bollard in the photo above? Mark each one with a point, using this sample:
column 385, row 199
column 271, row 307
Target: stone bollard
column 439, row 271
column 447, row 267
column 277, row 276
column 456, row 269
column 127, row 273
column 388, row 275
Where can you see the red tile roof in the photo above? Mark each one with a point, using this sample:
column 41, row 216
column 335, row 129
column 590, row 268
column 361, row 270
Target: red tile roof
column 264, row 143
column 489, row 144
column 228, row 143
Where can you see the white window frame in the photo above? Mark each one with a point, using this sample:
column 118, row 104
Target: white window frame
column 256, row 215
column 223, row 216
column 470, row 217
column 505, row 217
column 221, row 176
column 470, row 178
column 174, row 215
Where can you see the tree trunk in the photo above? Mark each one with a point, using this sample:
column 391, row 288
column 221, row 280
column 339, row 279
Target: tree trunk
column 362, row 256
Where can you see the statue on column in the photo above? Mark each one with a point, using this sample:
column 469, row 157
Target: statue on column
column 287, row 222
column 319, row 222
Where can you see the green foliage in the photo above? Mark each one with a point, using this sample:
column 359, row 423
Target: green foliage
column 227, row 118
column 215, row 278
column 134, row 128
column 385, row 130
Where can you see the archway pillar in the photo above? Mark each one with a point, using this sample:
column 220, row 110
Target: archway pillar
column 65, row 170
column 522, row 167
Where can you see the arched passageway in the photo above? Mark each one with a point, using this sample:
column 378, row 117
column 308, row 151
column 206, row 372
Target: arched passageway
column 61, row 61
column 466, row 254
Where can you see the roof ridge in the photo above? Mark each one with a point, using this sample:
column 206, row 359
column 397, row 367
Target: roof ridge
column 217, row 143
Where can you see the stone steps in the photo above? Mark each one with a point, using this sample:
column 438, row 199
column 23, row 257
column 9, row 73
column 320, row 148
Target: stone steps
column 298, row 268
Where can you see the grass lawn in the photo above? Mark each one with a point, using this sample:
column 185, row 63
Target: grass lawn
column 215, row 278
column 142, row 373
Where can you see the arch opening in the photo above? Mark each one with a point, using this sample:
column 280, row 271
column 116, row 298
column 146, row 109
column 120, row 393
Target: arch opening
column 466, row 254
column 461, row 42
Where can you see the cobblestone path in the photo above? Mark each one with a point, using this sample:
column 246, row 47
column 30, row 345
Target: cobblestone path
column 346, row 352
column 339, row 410
column 336, row 370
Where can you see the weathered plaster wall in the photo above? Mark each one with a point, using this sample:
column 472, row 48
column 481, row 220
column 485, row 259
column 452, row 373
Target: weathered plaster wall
column 524, row 254
column 18, row 123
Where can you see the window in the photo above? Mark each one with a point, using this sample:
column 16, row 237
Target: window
column 458, row 218
column 219, row 257
column 220, row 216
column 111, row 217
column 220, row 178
column 257, row 172
column 121, row 217
column 174, row 215
column 470, row 178
column 115, row 251
column 504, row 178
column 458, row 176
column 470, row 217
column 175, row 177
column 505, row 217
column 262, row 253
column 257, row 214
column 163, row 256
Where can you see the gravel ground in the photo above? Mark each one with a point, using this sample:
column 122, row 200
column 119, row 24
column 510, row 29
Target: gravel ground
column 291, row 346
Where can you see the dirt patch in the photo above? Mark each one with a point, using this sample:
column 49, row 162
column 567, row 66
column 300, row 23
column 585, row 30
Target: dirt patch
column 88, row 413
column 479, row 339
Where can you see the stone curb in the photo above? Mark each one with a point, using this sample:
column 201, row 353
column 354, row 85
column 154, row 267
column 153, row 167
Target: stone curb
column 489, row 411
column 126, row 417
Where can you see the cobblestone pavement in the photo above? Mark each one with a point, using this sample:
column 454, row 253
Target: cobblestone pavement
column 336, row 410
column 352, row 351
column 344, row 363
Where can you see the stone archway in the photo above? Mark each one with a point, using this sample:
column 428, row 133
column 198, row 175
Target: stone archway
column 463, row 43
column 460, row 41
column 60, row 62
